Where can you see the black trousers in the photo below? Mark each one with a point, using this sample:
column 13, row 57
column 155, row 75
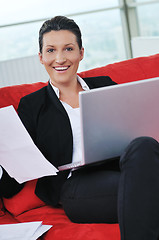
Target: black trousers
column 124, row 190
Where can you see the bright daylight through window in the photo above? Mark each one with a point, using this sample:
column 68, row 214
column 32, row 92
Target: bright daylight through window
column 102, row 24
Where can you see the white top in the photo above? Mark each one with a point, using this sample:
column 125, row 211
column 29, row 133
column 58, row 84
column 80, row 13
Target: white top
column 74, row 116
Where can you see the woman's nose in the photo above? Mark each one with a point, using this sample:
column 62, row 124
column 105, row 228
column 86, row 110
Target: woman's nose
column 60, row 58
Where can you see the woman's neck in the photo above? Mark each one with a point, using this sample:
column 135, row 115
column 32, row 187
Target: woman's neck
column 70, row 94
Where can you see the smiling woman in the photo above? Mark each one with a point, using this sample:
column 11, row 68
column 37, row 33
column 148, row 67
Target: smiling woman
column 61, row 51
column 110, row 192
column 61, row 56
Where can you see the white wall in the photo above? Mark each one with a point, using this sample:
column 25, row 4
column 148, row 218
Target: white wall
column 145, row 46
column 22, row 70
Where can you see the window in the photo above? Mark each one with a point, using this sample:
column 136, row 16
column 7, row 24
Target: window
column 100, row 24
column 102, row 38
column 19, row 41
column 143, row 14
column 148, row 18
column 107, row 26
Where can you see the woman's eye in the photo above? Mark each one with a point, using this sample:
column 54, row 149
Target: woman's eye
column 50, row 50
column 69, row 49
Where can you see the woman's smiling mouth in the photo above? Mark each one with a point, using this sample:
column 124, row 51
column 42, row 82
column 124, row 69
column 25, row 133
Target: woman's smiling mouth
column 60, row 68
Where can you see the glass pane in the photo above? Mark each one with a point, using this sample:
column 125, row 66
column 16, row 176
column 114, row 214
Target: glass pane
column 102, row 39
column 19, row 41
column 19, row 10
column 148, row 16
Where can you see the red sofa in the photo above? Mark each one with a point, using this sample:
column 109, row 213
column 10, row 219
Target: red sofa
column 25, row 206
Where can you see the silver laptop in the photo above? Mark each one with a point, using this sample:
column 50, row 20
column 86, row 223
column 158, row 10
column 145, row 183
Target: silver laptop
column 113, row 116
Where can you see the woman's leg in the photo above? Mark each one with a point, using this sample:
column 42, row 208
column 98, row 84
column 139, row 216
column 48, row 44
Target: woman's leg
column 90, row 195
column 139, row 191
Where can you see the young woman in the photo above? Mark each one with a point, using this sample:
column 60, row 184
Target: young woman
column 105, row 193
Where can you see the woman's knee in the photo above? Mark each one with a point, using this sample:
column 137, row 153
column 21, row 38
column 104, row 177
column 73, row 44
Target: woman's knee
column 142, row 149
column 144, row 140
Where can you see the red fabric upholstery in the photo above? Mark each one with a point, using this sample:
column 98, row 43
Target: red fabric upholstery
column 64, row 229
column 25, row 206
column 24, row 200
column 129, row 70
column 7, row 218
column 12, row 94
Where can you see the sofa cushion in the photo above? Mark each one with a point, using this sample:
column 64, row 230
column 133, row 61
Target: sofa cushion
column 7, row 218
column 128, row 70
column 11, row 95
column 23, row 201
column 64, row 229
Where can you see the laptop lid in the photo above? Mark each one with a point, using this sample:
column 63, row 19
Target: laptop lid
column 113, row 116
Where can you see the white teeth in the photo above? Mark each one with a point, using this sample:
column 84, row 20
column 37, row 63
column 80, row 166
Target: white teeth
column 61, row 68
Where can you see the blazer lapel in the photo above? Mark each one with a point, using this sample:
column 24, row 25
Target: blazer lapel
column 54, row 99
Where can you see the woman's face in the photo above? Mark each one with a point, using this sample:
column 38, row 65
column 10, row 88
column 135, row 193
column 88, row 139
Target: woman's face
column 61, row 56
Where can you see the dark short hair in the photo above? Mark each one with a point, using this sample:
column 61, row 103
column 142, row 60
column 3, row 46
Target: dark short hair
column 60, row 23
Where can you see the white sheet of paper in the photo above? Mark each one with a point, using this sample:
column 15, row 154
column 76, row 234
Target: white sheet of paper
column 19, row 156
column 25, row 231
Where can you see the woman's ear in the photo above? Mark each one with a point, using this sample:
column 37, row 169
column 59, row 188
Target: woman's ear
column 82, row 53
column 40, row 58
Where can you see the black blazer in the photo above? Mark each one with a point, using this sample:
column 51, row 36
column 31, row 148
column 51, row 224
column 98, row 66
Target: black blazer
column 48, row 124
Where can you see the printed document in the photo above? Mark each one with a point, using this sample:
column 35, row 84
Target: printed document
column 19, row 156
column 23, row 231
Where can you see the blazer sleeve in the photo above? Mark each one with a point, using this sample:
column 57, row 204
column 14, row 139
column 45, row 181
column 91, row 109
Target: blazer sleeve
column 9, row 186
column 25, row 113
